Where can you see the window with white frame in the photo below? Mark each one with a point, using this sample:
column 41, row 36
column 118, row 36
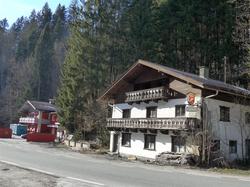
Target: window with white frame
column 178, row 144
column 180, row 110
column 126, row 139
column 232, row 146
column 149, row 141
column 151, row 112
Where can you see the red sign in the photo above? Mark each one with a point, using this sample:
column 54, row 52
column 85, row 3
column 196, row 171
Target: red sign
column 191, row 98
column 53, row 118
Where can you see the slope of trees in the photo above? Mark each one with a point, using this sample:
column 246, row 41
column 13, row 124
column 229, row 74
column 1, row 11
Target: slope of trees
column 32, row 51
column 97, row 40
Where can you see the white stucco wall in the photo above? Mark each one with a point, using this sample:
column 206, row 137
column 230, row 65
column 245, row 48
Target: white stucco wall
column 163, row 143
column 164, row 109
column 236, row 129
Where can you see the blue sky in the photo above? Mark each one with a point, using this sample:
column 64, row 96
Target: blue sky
column 13, row 9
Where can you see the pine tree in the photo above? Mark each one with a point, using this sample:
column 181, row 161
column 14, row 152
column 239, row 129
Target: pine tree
column 43, row 62
column 70, row 97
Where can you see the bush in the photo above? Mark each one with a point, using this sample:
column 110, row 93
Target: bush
column 77, row 135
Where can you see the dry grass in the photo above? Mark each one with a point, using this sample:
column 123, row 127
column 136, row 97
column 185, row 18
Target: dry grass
column 245, row 172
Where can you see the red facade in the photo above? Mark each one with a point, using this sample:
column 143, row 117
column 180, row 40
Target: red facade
column 42, row 125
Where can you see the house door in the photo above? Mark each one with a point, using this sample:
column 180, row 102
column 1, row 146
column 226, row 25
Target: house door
column 115, row 145
column 248, row 149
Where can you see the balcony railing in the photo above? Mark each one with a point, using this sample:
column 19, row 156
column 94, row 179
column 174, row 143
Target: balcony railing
column 27, row 120
column 149, row 94
column 153, row 123
column 32, row 120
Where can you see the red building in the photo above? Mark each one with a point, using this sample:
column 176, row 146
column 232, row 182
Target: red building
column 41, row 120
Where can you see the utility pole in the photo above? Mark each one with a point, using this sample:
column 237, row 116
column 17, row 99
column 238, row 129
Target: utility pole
column 225, row 69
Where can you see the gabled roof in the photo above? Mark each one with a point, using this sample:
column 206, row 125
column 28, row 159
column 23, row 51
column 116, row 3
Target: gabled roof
column 194, row 79
column 30, row 106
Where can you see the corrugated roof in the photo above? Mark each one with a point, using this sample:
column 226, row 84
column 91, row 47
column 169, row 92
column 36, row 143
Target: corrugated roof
column 38, row 106
column 194, row 79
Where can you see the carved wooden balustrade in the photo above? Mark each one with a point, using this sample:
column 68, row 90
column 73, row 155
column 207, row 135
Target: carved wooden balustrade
column 149, row 94
column 153, row 123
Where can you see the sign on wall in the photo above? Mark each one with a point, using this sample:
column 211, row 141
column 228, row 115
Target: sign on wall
column 191, row 98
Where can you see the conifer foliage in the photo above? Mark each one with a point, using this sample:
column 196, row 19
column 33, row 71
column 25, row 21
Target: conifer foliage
column 75, row 53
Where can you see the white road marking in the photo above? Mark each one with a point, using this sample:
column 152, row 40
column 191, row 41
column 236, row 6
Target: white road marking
column 245, row 180
column 41, row 171
column 202, row 174
column 50, row 173
column 11, row 163
column 85, row 181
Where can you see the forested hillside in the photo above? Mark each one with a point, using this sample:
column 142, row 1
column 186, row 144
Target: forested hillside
column 92, row 42
column 32, row 51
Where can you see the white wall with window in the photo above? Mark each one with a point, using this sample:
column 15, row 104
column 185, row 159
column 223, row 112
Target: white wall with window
column 148, row 150
column 228, row 122
column 164, row 109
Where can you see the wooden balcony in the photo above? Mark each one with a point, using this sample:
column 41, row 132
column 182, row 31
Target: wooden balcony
column 153, row 123
column 149, row 94
column 32, row 120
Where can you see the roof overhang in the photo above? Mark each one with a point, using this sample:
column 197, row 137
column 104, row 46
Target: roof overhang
column 188, row 78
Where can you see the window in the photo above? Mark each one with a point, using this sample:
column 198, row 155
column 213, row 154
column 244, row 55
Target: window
column 149, row 141
column 178, row 144
column 151, row 112
column 224, row 113
column 247, row 117
column 215, row 145
column 232, row 146
column 180, row 110
column 126, row 113
column 126, row 139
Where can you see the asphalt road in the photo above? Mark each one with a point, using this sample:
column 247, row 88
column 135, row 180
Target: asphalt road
column 89, row 170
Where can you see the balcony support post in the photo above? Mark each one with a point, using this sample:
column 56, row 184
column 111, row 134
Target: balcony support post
column 111, row 144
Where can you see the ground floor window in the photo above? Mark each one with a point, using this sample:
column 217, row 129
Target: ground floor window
column 178, row 144
column 149, row 141
column 232, row 146
column 248, row 148
column 126, row 139
column 215, row 145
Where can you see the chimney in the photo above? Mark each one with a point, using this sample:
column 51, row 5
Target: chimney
column 52, row 101
column 204, row 72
